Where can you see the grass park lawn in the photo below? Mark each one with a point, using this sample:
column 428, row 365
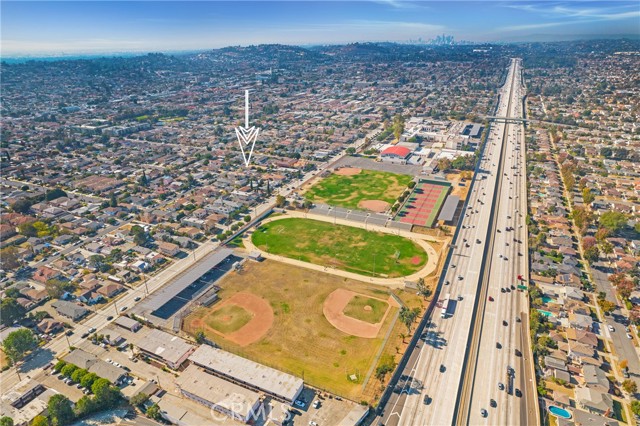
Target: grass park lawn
column 343, row 247
column 357, row 308
column 348, row 191
column 228, row 319
column 301, row 341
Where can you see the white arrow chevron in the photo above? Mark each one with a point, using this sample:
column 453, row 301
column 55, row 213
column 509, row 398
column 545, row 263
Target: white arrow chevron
column 246, row 135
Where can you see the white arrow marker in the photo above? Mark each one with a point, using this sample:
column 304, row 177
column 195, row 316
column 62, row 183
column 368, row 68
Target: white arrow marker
column 246, row 135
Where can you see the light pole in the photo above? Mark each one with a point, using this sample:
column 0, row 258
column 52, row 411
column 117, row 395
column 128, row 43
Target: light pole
column 145, row 284
column 374, row 265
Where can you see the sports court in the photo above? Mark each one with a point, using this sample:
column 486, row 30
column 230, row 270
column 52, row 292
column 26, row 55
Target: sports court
column 424, row 203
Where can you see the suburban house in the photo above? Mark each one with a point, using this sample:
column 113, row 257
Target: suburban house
column 69, row 309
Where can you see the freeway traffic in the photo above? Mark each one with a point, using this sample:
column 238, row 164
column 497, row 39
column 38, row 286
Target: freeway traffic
column 430, row 390
column 495, row 387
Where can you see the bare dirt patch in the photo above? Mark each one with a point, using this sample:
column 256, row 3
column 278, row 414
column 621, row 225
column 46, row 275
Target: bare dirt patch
column 377, row 206
column 347, row 171
column 333, row 308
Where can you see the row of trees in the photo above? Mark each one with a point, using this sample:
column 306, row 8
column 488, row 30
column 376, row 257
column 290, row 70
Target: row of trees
column 105, row 396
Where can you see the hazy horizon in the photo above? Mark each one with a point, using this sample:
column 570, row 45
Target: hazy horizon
column 102, row 28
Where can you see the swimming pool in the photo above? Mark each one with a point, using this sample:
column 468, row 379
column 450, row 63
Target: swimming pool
column 546, row 313
column 559, row 412
column 547, row 299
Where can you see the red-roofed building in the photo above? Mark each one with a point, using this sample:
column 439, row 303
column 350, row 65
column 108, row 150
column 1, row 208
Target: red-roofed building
column 396, row 154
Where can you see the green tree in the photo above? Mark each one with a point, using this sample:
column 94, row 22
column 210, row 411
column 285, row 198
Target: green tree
column 613, row 220
column 139, row 399
column 423, row 289
column 60, row 411
column 9, row 256
column 351, row 150
column 18, row 343
column 154, row 412
column 113, row 202
column 408, row 316
column 78, row 375
column 398, row 126
column 68, row 370
column 591, row 254
column 55, row 193
column 40, row 421
column 630, row 386
column 587, row 196
column 6, row 421
column 444, row 164
column 280, row 201
column 200, row 337
column 11, row 310
column 635, row 407
column 85, row 405
column 104, row 392
column 56, row 288
column 28, row 230
column 88, row 380
column 22, row 206
column 59, row 366
column 606, row 306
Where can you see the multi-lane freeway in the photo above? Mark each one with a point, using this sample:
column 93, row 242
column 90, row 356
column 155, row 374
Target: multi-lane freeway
column 498, row 387
column 455, row 367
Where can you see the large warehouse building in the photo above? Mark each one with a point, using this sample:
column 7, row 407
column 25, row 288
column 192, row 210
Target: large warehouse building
column 243, row 372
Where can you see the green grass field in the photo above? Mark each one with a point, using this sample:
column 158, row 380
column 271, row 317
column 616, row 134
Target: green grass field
column 348, row 191
column 356, row 308
column 301, row 341
column 343, row 247
column 228, row 319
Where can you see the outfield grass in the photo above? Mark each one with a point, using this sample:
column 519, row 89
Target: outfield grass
column 348, row 191
column 228, row 319
column 356, row 309
column 343, row 247
column 301, row 341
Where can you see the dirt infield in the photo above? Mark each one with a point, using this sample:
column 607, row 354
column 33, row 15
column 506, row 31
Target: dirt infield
column 333, row 308
column 377, row 206
column 347, row 171
column 260, row 323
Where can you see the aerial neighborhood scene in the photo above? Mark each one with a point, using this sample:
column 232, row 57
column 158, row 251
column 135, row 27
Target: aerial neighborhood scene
column 320, row 213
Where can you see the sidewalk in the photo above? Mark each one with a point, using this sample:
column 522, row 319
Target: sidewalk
column 421, row 240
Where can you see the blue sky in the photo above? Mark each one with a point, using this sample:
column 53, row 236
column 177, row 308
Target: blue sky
column 32, row 27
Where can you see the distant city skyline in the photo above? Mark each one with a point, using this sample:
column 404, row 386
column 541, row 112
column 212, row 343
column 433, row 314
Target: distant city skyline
column 85, row 27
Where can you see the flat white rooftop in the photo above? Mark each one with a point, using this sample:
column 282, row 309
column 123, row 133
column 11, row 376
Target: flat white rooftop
column 258, row 376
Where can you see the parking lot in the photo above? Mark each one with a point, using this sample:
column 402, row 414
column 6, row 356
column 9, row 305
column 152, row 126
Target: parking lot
column 350, row 214
column 331, row 410
column 369, row 164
